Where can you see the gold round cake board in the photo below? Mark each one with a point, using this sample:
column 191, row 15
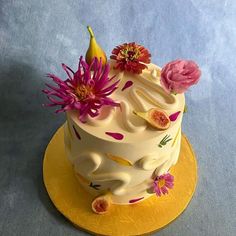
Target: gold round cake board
column 139, row 219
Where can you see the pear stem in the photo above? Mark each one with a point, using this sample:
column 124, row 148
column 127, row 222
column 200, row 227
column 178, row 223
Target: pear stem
column 90, row 31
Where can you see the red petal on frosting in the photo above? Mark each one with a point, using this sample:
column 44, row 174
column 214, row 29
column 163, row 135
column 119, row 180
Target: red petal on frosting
column 76, row 133
column 174, row 116
column 136, row 200
column 117, row 136
column 128, row 84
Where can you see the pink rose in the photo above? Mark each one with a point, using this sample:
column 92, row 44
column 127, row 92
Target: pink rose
column 177, row 76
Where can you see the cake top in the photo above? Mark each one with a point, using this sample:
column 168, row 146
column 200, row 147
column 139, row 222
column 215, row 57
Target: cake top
column 126, row 98
column 135, row 94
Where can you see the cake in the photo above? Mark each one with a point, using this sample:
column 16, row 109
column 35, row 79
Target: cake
column 123, row 122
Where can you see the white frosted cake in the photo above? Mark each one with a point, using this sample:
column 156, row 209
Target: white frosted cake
column 123, row 128
column 125, row 165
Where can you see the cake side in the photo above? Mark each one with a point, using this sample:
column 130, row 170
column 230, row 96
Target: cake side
column 101, row 167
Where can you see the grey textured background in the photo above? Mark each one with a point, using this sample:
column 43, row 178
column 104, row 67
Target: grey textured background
column 36, row 36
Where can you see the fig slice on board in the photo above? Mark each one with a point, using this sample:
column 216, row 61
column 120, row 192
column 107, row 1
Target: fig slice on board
column 101, row 204
column 155, row 117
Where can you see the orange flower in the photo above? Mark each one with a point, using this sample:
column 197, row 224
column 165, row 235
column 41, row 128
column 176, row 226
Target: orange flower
column 130, row 57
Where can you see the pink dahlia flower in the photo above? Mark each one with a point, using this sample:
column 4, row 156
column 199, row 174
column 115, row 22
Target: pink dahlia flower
column 130, row 57
column 84, row 90
column 177, row 76
column 162, row 183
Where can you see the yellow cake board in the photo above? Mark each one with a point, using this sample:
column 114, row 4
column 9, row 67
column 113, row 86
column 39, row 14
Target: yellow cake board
column 138, row 219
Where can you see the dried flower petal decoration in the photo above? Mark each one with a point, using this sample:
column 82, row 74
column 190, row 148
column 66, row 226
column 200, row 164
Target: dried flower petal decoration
column 174, row 116
column 83, row 91
column 136, row 200
column 162, row 183
column 117, row 136
column 130, row 57
column 128, row 84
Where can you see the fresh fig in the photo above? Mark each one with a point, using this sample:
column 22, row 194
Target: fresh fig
column 158, row 119
column 94, row 49
column 101, row 204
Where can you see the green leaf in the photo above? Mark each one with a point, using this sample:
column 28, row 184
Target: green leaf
column 168, row 140
column 164, row 141
column 166, row 137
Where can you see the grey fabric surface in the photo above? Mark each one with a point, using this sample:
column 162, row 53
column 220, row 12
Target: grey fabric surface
column 36, row 36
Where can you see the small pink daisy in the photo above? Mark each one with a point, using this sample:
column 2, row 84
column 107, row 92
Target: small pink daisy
column 162, row 183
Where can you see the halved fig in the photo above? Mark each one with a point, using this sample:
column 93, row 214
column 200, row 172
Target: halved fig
column 158, row 119
column 101, row 204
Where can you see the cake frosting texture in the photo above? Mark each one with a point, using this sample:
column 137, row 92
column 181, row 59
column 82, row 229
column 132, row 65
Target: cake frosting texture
column 117, row 151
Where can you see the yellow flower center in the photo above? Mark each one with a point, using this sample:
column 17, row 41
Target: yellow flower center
column 130, row 53
column 83, row 91
column 161, row 183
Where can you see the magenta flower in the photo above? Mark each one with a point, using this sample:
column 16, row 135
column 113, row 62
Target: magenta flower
column 86, row 90
column 162, row 183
